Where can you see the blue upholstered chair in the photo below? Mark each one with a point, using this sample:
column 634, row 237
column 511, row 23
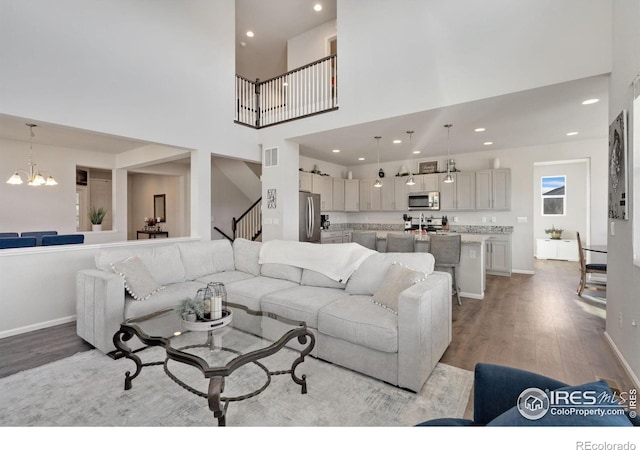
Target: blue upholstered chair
column 38, row 235
column 496, row 391
column 62, row 239
column 17, row 242
column 9, row 234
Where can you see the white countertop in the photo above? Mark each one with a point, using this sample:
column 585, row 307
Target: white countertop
column 467, row 238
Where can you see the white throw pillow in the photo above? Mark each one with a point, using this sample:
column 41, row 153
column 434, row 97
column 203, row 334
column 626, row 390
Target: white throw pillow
column 398, row 279
column 137, row 279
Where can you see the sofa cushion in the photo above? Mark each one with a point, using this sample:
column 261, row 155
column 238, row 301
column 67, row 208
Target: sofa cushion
column 355, row 319
column 225, row 277
column 301, row 302
column 367, row 279
column 603, row 397
column 281, row 271
column 163, row 261
column 249, row 292
column 137, row 280
column 245, row 255
column 314, row 278
column 206, row 257
column 397, row 279
column 172, row 295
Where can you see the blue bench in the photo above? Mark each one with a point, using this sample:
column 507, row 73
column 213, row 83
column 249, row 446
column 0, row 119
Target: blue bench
column 62, row 239
column 17, row 242
column 38, row 235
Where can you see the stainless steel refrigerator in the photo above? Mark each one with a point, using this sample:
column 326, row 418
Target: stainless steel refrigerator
column 309, row 223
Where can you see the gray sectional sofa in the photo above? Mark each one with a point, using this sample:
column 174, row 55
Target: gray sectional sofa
column 400, row 347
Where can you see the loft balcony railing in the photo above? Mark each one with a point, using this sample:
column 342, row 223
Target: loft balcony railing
column 302, row 92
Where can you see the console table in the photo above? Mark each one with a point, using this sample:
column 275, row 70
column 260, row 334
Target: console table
column 152, row 234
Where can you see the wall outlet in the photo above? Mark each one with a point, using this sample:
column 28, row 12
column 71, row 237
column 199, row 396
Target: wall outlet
column 493, row 219
column 472, row 254
column 612, row 229
column 455, row 218
column 522, row 220
column 484, row 220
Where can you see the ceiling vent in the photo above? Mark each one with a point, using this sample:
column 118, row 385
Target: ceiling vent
column 270, row 157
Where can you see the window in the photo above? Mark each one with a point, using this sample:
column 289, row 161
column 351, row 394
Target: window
column 553, row 195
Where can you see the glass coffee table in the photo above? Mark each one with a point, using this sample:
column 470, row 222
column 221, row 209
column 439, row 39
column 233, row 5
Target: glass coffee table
column 222, row 354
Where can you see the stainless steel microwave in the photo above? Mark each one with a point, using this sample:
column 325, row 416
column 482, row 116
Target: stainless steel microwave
column 424, row 201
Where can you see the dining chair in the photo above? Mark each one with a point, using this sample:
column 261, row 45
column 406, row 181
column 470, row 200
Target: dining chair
column 365, row 238
column 587, row 269
column 446, row 249
column 400, row 243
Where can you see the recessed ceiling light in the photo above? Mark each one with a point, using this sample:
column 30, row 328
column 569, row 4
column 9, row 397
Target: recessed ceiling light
column 591, row 101
column 572, row 133
column 397, row 141
column 243, row 44
column 335, row 150
column 415, row 152
column 360, row 159
column 250, row 33
column 317, row 7
column 479, row 130
column 488, row 143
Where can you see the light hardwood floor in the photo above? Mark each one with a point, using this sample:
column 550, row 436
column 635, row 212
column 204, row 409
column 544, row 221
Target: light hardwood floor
column 533, row 322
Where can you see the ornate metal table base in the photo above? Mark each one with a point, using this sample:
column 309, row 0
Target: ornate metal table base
column 218, row 404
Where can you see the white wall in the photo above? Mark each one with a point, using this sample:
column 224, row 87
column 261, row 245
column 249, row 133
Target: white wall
column 623, row 277
column 142, row 188
column 227, row 201
column 311, row 45
column 577, row 190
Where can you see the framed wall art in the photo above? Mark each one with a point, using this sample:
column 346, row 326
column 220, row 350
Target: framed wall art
column 428, row 167
column 618, row 161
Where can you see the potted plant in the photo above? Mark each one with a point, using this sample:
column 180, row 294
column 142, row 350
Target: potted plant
column 191, row 309
column 555, row 233
column 96, row 216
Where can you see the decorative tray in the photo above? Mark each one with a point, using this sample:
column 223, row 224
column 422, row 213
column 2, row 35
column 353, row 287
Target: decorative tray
column 209, row 324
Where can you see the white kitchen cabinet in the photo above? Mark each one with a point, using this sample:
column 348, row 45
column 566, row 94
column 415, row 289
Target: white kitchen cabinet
column 387, row 195
column 338, row 194
column 428, row 183
column 335, row 237
column 370, row 196
column 351, row 195
column 401, row 191
column 459, row 195
column 324, row 186
column 493, row 189
column 498, row 255
column 564, row 249
column 304, row 181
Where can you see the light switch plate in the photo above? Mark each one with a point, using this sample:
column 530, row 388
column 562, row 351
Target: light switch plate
column 522, row 219
column 612, row 228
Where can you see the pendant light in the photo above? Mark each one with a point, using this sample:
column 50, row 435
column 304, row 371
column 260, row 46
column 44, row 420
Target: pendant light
column 34, row 177
column 448, row 178
column 410, row 181
column 378, row 183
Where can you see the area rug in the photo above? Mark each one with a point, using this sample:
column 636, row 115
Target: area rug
column 87, row 390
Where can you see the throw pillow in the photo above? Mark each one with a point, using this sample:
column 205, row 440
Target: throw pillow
column 137, row 279
column 587, row 416
column 397, row 279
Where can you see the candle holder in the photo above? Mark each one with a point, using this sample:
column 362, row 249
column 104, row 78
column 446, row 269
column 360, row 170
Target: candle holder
column 218, row 299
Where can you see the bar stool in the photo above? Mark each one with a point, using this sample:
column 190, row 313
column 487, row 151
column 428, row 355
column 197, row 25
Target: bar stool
column 400, row 243
column 446, row 249
column 365, row 238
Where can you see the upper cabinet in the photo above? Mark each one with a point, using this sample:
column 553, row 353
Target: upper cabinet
column 304, row 181
column 324, row 186
column 351, row 195
column 459, row 195
column 493, row 189
column 338, row 194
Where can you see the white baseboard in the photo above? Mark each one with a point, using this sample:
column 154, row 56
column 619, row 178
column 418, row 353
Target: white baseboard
column 469, row 295
column 525, row 272
column 36, row 326
column 623, row 361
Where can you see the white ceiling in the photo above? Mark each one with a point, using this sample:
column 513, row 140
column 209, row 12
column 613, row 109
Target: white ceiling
column 536, row 117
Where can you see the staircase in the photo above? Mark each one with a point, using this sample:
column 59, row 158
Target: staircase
column 249, row 224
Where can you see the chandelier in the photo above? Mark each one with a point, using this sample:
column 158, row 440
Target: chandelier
column 34, row 177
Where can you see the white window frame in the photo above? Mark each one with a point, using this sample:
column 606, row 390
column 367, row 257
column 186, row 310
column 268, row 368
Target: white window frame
column 543, row 196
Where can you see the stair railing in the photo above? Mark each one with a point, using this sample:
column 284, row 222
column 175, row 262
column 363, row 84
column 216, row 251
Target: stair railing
column 302, row 92
column 249, row 224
